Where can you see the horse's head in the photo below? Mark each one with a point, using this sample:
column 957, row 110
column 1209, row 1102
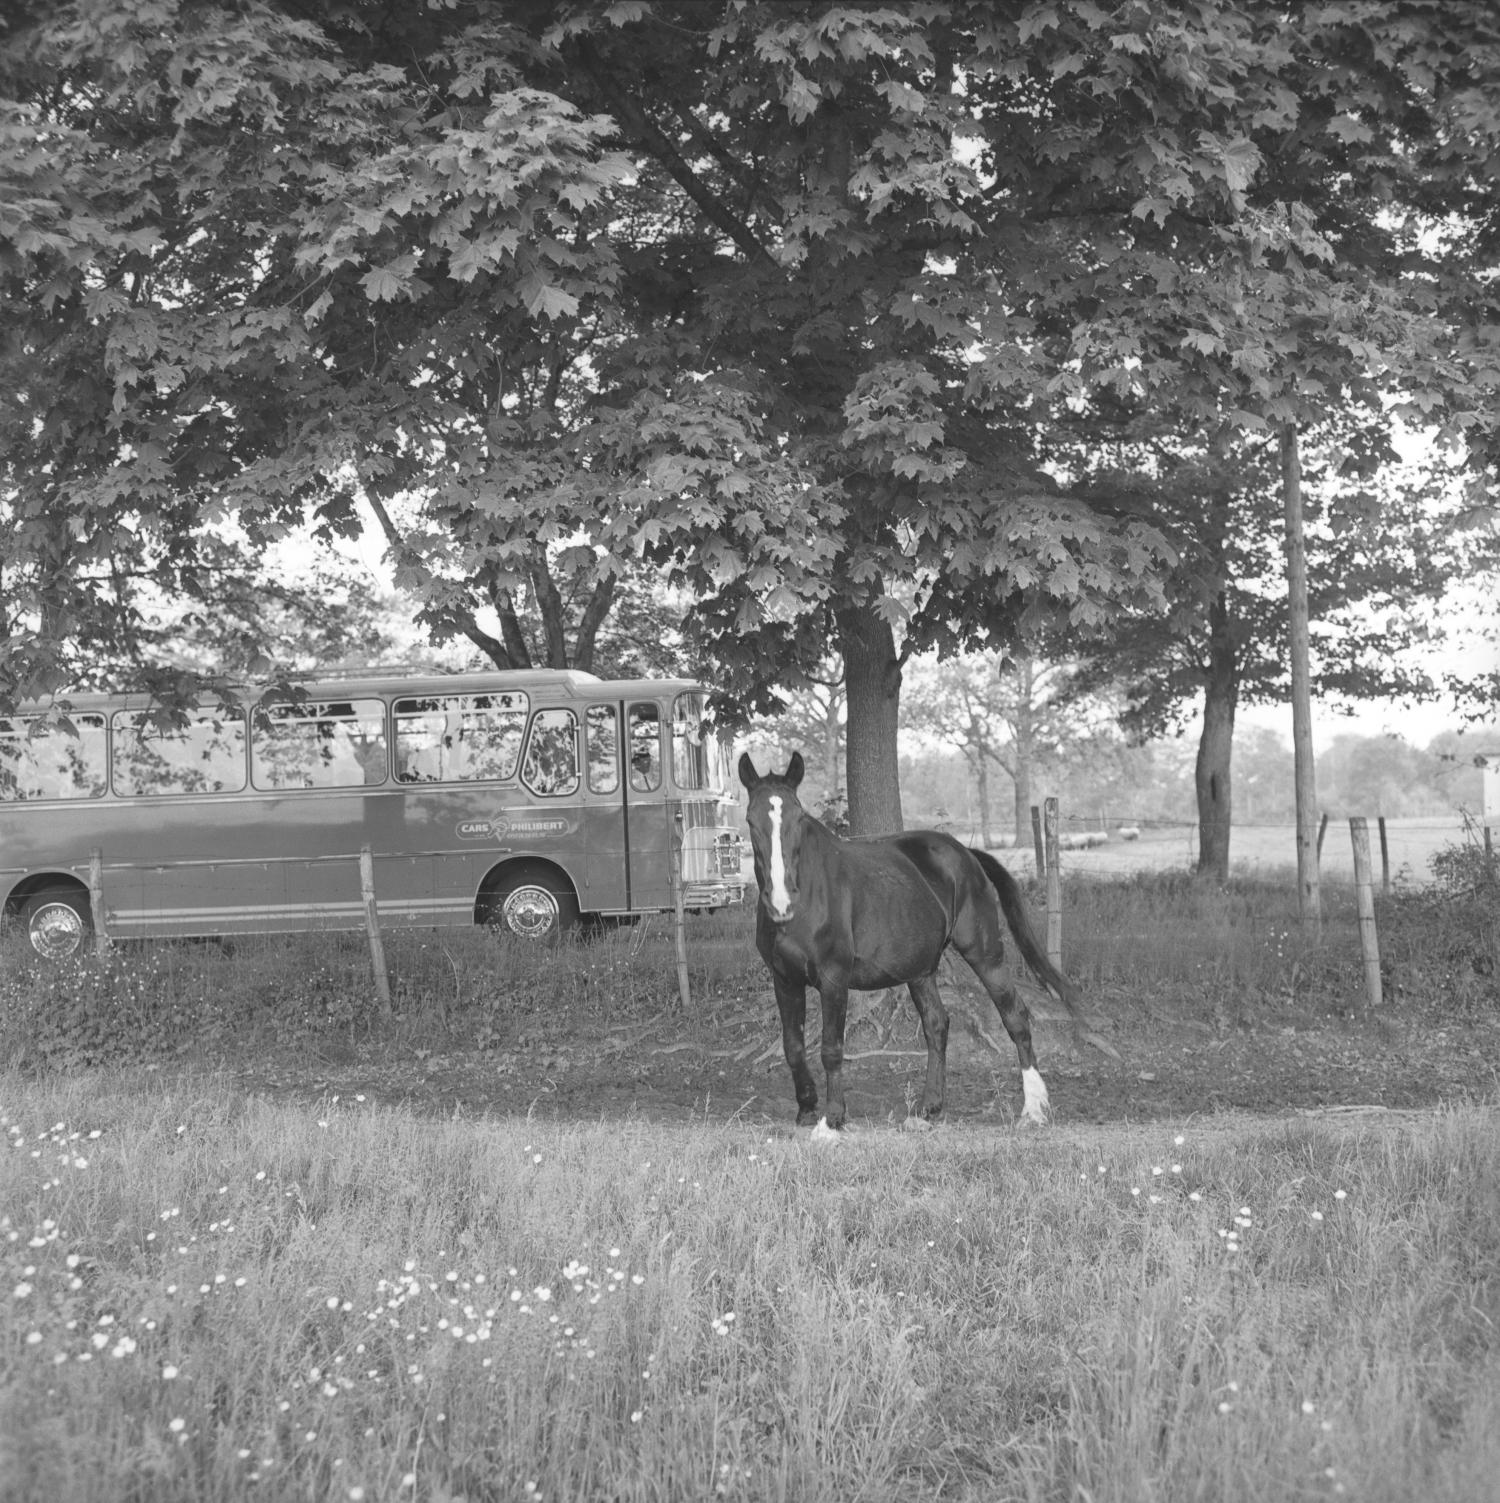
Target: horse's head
column 777, row 821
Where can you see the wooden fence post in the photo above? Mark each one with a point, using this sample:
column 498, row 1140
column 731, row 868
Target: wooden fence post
column 372, row 928
column 1054, row 886
column 1369, row 942
column 1036, row 838
column 96, row 901
column 1385, row 858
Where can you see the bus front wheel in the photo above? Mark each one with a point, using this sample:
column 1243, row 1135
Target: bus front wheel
column 532, row 905
column 57, row 923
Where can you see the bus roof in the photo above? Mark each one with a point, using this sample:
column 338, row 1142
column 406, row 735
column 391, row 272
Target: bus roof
column 569, row 683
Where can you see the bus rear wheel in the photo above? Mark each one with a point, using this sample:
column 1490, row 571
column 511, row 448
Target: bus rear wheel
column 532, row 904
column 57, row 923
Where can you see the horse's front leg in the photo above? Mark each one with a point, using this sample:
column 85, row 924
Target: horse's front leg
column 835, row 994
column 929, row 1004
column 791, row 1003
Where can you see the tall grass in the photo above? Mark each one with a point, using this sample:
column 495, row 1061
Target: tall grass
column 1223, row 954
column 205, row 1000
column 208, row 1296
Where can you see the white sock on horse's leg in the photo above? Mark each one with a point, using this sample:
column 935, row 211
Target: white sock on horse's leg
column 1037, row 1108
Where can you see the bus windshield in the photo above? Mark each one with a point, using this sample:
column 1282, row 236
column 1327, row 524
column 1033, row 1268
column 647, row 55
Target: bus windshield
column 699, row 760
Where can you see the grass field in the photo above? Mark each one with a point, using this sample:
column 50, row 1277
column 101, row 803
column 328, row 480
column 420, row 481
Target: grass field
column 211, row 1294
column 211, row 1297
column 1266, row 851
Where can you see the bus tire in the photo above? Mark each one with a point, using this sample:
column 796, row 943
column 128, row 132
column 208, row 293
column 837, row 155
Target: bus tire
column 57, row 922
column 531, row 902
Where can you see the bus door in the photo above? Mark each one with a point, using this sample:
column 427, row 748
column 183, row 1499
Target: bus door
column 604, row 850
column 649, row 831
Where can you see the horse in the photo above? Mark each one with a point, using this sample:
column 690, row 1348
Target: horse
column 877, row 911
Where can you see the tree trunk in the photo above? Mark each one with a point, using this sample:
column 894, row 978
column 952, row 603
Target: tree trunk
column 982, row 792
column 1024, row 751
column 595, row 612
column 872, row 685
column 1309, row 899
column 1216, row 746
column 550, row 607
column 831, row 742
column 510, row 631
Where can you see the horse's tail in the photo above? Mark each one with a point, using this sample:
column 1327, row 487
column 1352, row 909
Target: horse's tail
column 1013, row 905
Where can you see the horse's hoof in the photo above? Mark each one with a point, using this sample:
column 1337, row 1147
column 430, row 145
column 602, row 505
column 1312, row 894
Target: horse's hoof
column 809, row 1117
column 916, row 1124
column 1034, row 1119
column 824, row 1133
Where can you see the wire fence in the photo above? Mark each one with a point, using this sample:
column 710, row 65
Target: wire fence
column 1401, row 848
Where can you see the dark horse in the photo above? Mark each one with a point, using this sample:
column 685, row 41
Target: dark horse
column 876, row 912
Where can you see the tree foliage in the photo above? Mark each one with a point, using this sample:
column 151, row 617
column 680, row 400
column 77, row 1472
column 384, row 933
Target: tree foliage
column 807, row 309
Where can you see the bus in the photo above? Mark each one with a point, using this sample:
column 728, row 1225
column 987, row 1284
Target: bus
column 530, row 800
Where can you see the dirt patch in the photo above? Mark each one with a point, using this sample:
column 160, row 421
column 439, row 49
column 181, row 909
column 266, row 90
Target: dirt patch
column 724, row 1060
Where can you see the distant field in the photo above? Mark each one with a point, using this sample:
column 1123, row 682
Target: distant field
column 1263, row 849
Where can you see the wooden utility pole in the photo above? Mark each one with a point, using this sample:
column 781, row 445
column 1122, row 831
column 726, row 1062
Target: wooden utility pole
column 1309, row 900
column 1052, row 821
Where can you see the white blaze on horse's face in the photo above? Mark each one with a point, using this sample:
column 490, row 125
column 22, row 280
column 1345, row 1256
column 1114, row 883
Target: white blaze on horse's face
column 779, row 899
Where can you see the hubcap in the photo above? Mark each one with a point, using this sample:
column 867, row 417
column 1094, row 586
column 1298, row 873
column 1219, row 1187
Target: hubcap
column 531, row 912
column 56, row 931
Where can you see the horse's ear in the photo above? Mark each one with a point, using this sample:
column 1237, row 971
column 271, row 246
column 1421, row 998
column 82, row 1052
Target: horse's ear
column 795, row 769
column 748, row 775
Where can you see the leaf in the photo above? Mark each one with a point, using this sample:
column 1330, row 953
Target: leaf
column 544, row 299
column 387, row 284
column 1036, row 20
column 1242, row 418
column 1348, row 128
column 1241, row 162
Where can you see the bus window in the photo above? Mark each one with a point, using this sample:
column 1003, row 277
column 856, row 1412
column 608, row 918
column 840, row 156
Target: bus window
column 204, row 755
column 603, row 738
column 336, row 745
column 645, row 748
column 551, row 765
column 459, row 737
column 59, row 758
column 692, row 749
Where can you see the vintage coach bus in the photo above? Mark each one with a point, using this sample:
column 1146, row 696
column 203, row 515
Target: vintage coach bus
column 525, row 799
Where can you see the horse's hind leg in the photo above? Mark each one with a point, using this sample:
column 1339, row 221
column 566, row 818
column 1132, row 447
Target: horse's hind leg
column 929, row 1004
column 1017, row 1019
column 791, row 1003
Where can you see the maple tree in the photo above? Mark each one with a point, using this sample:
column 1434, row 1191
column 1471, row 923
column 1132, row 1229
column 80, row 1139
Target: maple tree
column 792, row 304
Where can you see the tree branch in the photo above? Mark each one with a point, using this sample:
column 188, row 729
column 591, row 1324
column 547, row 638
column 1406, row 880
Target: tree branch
column 549, row 603
column 651, row 136
column 510, row 628
column 492, row 647
column 601, row 598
